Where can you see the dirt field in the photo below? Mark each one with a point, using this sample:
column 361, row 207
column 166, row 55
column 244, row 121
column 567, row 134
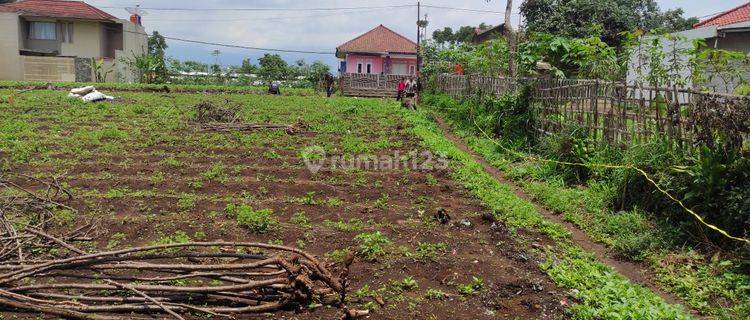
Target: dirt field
column 144, row 174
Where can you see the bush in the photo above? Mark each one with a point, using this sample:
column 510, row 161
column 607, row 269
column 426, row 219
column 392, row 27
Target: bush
column 260, row 221
column 714, row 184
column 507, row 117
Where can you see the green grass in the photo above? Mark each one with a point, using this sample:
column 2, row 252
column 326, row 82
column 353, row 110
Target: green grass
column 260, row 221
column 5, row 84
column 715, row 286
column 603, row 295
column 372, row 245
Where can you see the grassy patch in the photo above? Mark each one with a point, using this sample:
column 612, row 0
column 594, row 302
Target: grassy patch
column 604, row 295
column 260, row 221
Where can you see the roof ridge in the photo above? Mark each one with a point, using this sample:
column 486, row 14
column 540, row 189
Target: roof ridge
column 724, row 13
column 360, row 36
column 53, row 8
column 398, row 34
column 373, row 30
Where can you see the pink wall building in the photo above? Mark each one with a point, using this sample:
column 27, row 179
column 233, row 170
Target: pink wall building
column 378, row 51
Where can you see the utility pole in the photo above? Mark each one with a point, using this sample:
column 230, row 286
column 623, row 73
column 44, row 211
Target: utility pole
column 511, row 40
column 419, row 36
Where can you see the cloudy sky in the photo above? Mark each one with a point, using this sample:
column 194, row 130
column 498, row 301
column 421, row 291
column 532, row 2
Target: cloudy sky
column 301, row 28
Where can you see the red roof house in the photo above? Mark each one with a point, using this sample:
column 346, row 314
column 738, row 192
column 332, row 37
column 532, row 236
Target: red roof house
column 55, row 40
column 379, row 51
column 57, row 9
column 736, row 15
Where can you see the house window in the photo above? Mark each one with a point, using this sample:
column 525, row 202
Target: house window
column 359, row 68
column 70, row 32
column 65, row 31
column 369, row 68
column 42, row 30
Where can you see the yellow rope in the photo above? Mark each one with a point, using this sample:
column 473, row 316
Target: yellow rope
column 613, row 166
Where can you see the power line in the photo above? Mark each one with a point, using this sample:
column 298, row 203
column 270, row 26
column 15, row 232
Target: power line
column 262, row 19
column 237, row 46
column 270, row 9
column 315, row 9
column 465, row 9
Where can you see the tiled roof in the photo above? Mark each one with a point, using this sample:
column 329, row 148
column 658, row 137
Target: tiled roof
column 56, row 9
column 736, row 15
column 379, row 40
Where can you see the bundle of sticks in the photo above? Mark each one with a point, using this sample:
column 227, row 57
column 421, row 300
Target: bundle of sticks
column 207, row 112
column 209, row 278
column 45, row 273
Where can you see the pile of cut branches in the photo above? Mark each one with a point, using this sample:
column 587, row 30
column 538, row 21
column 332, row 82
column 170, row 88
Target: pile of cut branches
column 213, row 118
column 207, row 112
column 44, row 273
column 211, row 278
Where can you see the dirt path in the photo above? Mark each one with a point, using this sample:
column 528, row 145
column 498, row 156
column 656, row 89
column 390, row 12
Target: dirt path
column 635, row 272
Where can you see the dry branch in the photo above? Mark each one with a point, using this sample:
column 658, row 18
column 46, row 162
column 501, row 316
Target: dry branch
column 99, row 284
column 214, row 278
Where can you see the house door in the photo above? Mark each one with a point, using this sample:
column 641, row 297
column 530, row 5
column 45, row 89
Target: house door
column 399, row 69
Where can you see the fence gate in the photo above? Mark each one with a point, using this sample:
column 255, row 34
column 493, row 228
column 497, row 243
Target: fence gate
column 369, row 85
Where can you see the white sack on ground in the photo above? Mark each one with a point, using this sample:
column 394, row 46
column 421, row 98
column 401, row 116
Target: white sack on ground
column 96, row 96
column 89, row 94
column 83, row 91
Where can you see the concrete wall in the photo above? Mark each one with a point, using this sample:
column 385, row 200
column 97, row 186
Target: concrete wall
column 353, row 60
column 10, row 61
column 399, row 66
column 48, row 68
column 735, row 41
column 134, row 43
column 87, row 40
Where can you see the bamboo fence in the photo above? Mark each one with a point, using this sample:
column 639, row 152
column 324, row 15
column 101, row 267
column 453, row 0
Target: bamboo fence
column 616, row 112
column 369, row 85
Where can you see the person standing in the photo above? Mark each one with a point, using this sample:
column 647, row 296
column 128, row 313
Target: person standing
column 410, row 88
column 401, row 89
column 329, row 84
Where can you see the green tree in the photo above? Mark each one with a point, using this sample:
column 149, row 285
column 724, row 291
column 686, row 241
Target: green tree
column 316, row 71
column 247, row 67
column 443, row 36
column 583, row 18
column 464, row 35
column 273, row 67
column 157, row 47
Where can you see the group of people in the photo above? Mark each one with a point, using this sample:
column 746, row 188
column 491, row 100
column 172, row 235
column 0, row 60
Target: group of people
column 407, row 88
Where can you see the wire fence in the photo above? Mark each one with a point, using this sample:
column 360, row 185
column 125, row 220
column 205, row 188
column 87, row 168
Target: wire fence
column 617, row 112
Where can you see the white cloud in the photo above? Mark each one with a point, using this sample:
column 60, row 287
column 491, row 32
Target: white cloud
column 319, row 30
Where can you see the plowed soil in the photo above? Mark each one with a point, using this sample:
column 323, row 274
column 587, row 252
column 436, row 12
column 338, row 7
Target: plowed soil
column 142, row 172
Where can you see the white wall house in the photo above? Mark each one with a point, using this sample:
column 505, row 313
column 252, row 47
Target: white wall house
column 727, row 31
column 55, row 40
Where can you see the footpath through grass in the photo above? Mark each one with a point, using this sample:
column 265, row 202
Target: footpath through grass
column 714, row 284
column 601, row 292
